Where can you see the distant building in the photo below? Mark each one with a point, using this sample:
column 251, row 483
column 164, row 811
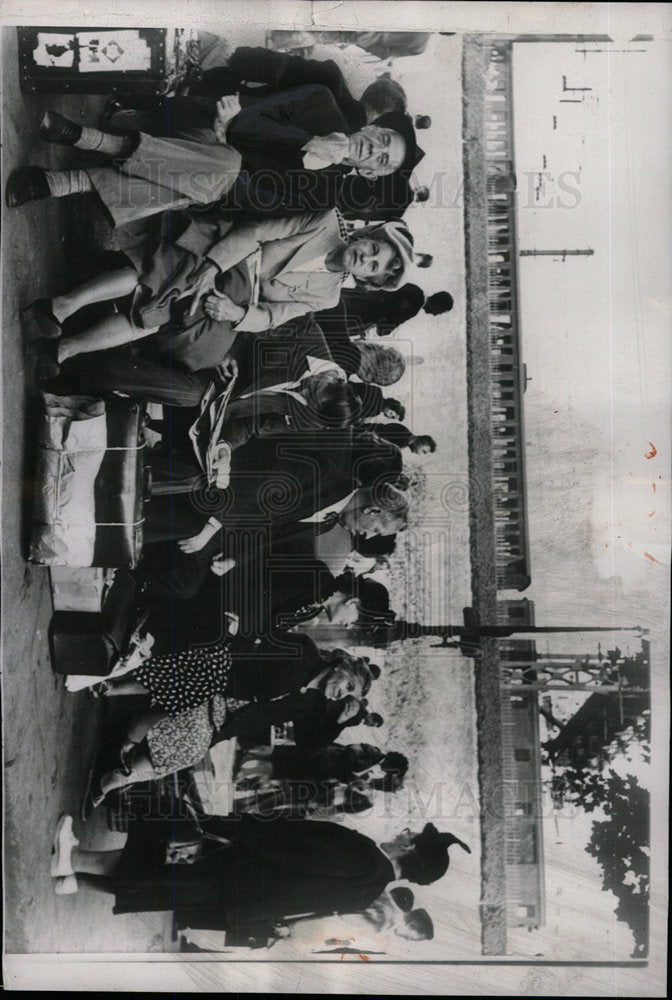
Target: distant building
column 521, row 765
column 508, row 377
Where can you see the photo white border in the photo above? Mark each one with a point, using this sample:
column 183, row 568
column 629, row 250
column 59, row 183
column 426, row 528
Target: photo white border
column 181, row 973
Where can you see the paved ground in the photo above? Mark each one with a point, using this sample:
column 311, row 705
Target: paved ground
column 50, row 735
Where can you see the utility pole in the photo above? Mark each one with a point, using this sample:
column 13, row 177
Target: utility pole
column 557, row 253
column 468, row 637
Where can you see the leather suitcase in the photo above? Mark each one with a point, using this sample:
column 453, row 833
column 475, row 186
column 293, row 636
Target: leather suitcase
column 132, row 61
column 121, row 487
column 90, row 485
column 86, row 642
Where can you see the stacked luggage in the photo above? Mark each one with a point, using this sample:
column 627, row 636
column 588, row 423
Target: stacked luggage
column 91, row 483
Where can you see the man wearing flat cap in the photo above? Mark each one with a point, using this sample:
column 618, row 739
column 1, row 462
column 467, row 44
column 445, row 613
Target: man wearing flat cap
column 285, row 154
column 324, row 154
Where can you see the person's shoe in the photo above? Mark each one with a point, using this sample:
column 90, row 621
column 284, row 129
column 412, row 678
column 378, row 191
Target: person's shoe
column 99, row 690
column 64, row 841
column 126, row 755
column 66, row 885
column 92, row 798
column 56, row 128
column 41, row 318
column 26, row 184
column 47, row 366
column 90, row 803
column 111, row 108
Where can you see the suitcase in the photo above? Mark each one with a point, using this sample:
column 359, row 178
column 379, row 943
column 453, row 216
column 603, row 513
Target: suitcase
column 88, row 642
column 133, row 61
column 74, row 589
column 121, row 487
column 91, row 482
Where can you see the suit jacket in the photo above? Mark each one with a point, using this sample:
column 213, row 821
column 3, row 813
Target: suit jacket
column 279, row 355
column 358, row 310
column 283, row 245
column 281, row 71
column 394, row 432
column 371, row 397
column 378, row 200
column 271, row 361
column 270, row 135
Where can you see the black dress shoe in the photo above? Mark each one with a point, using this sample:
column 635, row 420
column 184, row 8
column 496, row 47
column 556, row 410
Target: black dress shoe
column 93, row 794
column 56, row 128
column 112, row 106
column 40, row 318
column 26, row 184
column 47, row 366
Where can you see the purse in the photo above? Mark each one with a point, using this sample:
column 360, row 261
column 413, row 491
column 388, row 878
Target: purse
column 185, row 845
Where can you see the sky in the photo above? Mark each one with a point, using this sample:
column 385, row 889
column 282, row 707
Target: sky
column 595, row 329
column 596, row 342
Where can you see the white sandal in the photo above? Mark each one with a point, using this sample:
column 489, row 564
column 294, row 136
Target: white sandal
column 64, row 842
column 65, row 885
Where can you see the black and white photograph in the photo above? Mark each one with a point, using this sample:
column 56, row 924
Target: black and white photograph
column 336, row 497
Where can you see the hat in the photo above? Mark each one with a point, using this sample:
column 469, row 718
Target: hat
column 431, row 854
column 400, row 238
column 403, row 124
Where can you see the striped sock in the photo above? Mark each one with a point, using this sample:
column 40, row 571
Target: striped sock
column 103, row 142
column 64, row 182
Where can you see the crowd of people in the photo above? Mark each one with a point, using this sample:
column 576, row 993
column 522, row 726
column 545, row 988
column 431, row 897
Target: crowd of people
column 265, row 260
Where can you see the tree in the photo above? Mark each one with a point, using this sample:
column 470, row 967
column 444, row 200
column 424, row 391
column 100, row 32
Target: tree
column 619, row 843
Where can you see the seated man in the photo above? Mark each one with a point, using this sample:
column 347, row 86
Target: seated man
column 280, row 593
column 283, row 490
column 287, row 153
column 285, row 384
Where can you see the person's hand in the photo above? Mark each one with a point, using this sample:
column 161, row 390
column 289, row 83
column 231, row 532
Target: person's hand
column 221, row 566
column 232, row 622
column 202, row 282
column 227, row 109
column 219, row 306
column 193, row 544
column 228, row 368
column 332, row 148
